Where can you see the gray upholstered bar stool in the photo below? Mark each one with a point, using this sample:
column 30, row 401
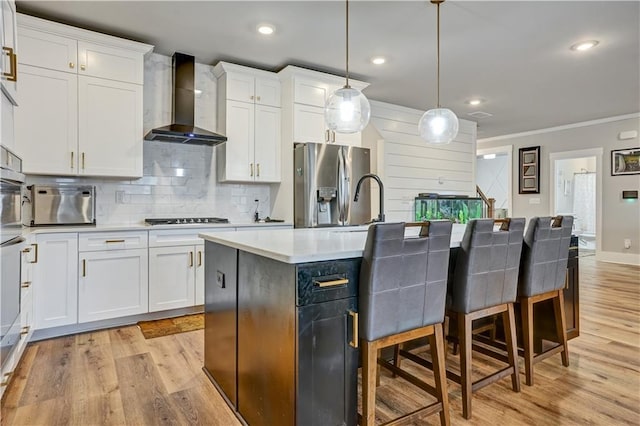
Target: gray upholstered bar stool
column 543, row 269
column 402, row 297
column 484, row 284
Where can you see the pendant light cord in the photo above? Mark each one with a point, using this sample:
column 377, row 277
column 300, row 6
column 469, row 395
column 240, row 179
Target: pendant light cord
column 438, row 53
column 347, row 38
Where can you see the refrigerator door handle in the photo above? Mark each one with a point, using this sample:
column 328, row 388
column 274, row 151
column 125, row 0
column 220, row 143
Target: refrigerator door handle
column 341, row 190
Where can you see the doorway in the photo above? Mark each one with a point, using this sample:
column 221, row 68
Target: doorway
column 575, row 190
column 493, row 177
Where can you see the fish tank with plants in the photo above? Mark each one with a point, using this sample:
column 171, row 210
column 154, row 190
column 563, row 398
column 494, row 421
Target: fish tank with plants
column 456, row 208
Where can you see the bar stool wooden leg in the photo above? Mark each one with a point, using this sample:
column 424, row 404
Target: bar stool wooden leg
column 509, row 320
column 465, row 337
column 527, row 329
column 397, row 360
column 438, row 355
column 561, row 327
column 369, row 369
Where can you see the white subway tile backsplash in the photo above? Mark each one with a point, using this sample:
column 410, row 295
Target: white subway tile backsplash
column 179, row 180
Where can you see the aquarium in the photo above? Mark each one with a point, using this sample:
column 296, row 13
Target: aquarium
column 458, row 209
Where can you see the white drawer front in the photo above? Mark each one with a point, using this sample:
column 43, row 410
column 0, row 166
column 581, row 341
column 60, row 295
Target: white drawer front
column 180, row 237
column 95, row 241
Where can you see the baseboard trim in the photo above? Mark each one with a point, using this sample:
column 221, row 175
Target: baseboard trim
column 616, row 257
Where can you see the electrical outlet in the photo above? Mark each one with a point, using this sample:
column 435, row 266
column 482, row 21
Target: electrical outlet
column 627, row 243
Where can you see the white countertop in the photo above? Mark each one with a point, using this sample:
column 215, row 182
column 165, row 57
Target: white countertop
column 306, row 245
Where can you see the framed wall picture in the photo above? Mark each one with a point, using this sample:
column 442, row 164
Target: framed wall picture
column 625, row 162
column 529, row 170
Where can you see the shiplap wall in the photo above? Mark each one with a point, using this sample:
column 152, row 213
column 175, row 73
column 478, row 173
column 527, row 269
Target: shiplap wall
column 408, row 166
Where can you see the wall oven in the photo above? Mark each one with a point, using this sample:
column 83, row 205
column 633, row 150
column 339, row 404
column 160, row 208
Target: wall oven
column 11, row 245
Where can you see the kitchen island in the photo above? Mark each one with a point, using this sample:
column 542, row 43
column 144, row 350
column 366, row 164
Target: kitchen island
column 281, row 321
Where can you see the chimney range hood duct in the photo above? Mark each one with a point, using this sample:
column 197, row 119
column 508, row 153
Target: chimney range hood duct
column 182, row 129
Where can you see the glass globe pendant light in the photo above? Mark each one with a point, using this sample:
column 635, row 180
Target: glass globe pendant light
column 347, row 110
column 438, row 125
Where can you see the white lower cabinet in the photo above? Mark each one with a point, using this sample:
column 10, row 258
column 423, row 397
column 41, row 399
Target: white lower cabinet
column 55, row 283
column 112, row 284
column 176, row 277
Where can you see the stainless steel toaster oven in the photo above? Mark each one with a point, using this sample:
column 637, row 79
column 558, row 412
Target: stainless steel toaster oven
column 62, row 205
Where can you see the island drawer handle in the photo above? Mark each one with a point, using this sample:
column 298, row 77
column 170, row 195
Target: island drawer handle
column 114, row 241
column 331, row 283
column 354, row 342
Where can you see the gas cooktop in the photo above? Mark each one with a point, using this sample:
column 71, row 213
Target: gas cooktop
column 185, row 220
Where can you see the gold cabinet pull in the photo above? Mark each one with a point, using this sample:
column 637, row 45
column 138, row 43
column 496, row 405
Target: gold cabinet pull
column 83, row 67
column 26, row 284
column 252, row 97
column 72, row 65
column 12, row 75
column 199, row 258
column 114, row 241
column 326, row 135
column 251, row 167
column 258, row 98
column 82, row 156
column 26, row 250
column 258, row 169
column 331, row 283
column 354, row 341
column 191, row 259
column 72, row 160
column 333, row 136
column 25, row 330
column 6, row 378
column 35, row 253
column 84, row 267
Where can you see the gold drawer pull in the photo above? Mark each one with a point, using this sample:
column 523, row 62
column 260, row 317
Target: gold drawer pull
column 331, row 283
column 191, row 259
column 25, row 330
column 35, row 256
column 6, row 379
column 26, row 284
column 72, row 65
column 12, row 75
column 114, row 241
column 199, row 258
column 354, row 342
column 26, row 250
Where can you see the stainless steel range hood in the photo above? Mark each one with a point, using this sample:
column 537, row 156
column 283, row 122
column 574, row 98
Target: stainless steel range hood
column 182, row 129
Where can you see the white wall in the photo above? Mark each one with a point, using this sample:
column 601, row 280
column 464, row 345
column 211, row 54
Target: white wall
column 408, row 165
column 620, row 218
column 179, row 180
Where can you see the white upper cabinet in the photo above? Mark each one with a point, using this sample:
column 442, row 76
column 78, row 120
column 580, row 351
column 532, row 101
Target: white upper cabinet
column 309, row 91
column 85, row 91
column 249, row 115
column 8, row 61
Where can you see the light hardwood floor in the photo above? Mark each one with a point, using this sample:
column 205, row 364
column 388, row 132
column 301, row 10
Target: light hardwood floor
column 118, row 377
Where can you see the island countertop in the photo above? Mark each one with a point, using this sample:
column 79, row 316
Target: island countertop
column 306, row 245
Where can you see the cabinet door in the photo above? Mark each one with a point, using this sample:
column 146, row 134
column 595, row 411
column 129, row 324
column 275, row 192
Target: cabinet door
column 47, row 50
column 109, row 127
column 311, row 92
column 8, row 124
column 267, row 143
column 9, row 82
column 112, row 284
column 199, row 274
column 101, row 61
column 267, row 91
column 48, row 112
column 308, row 124
column 240, row 87
column 171, row 277
column 327, row 365
column 55, row 287
column 239, row 164
column 351, row 139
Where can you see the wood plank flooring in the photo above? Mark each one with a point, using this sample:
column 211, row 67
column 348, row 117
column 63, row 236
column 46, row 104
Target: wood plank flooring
column 116, row 377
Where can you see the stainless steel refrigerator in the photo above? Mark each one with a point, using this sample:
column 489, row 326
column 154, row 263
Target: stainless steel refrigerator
column 325, row 178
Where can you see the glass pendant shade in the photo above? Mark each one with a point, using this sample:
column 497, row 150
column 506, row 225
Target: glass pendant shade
column 438, row 126
column 347, row 111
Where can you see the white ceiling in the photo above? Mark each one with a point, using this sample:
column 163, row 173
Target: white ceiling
column 514, row 54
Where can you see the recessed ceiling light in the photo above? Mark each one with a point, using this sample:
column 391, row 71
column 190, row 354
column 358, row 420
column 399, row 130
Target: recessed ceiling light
column 266, row 29
column 378, row 60
column 585, row 45
column 474, row 102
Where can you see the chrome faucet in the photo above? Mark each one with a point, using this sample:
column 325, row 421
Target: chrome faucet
column 380, row 217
